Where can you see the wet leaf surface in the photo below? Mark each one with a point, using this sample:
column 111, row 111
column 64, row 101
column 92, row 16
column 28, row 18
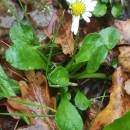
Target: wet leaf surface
column 59, row 76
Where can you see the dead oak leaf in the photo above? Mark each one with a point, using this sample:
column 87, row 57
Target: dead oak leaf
column 124, row 29
column 124, row 58
column 36, row 91
column 118, row 105
column 65, row 36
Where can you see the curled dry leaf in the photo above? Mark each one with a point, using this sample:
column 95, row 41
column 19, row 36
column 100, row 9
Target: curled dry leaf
column 3, row 46
column 124, row 58
column 65, row 36
column 124, row 29
column 36, row 91
column 119, row 102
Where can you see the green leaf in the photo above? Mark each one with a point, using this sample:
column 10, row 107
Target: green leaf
column 100, row 10
column 24, row 57
column 67, row 95
column 95, row 47
column 110, row 36
column 59, row 76
column 8, row 87
column 67, row 117
column 96, row 59
column 81, row 101
column 122, row 123
column 116, row 11
column 89, row 45
column 20, row 33
column 105, row 1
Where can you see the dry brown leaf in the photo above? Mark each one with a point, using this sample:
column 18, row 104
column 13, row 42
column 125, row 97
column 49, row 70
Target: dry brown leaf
column 124, row 29
column 65, row 36
column 119, row 102
column 86, row 28
column 36, row 91
column 93, row 26
column 124, row 58
column 127, row 87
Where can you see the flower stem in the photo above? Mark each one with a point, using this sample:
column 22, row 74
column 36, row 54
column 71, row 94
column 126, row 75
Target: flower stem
column 53, row 40
column 71, row 62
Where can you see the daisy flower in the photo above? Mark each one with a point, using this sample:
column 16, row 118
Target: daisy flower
column 80, row 9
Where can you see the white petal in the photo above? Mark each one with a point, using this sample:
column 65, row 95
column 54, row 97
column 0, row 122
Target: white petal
column 94, row 3
column 70, row 1
column 87, row 14
column 86, row 18
column 86, row 1
column 75, row 24
column 90, row 6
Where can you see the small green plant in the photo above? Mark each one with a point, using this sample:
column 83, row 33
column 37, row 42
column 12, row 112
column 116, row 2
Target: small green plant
column 95, row 46
column 26, row 53
column 105, row 5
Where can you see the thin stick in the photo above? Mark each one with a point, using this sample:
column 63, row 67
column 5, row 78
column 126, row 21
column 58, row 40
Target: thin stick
column 17, row 74
column 16, row 124
column 5, row 43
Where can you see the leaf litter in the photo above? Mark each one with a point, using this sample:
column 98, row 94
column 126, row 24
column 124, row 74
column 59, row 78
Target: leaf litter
column 36, row 91
column 119, row 102
column 35, row 88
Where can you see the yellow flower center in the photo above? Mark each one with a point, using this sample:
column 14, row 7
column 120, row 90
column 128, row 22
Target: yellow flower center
column 78, row 8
